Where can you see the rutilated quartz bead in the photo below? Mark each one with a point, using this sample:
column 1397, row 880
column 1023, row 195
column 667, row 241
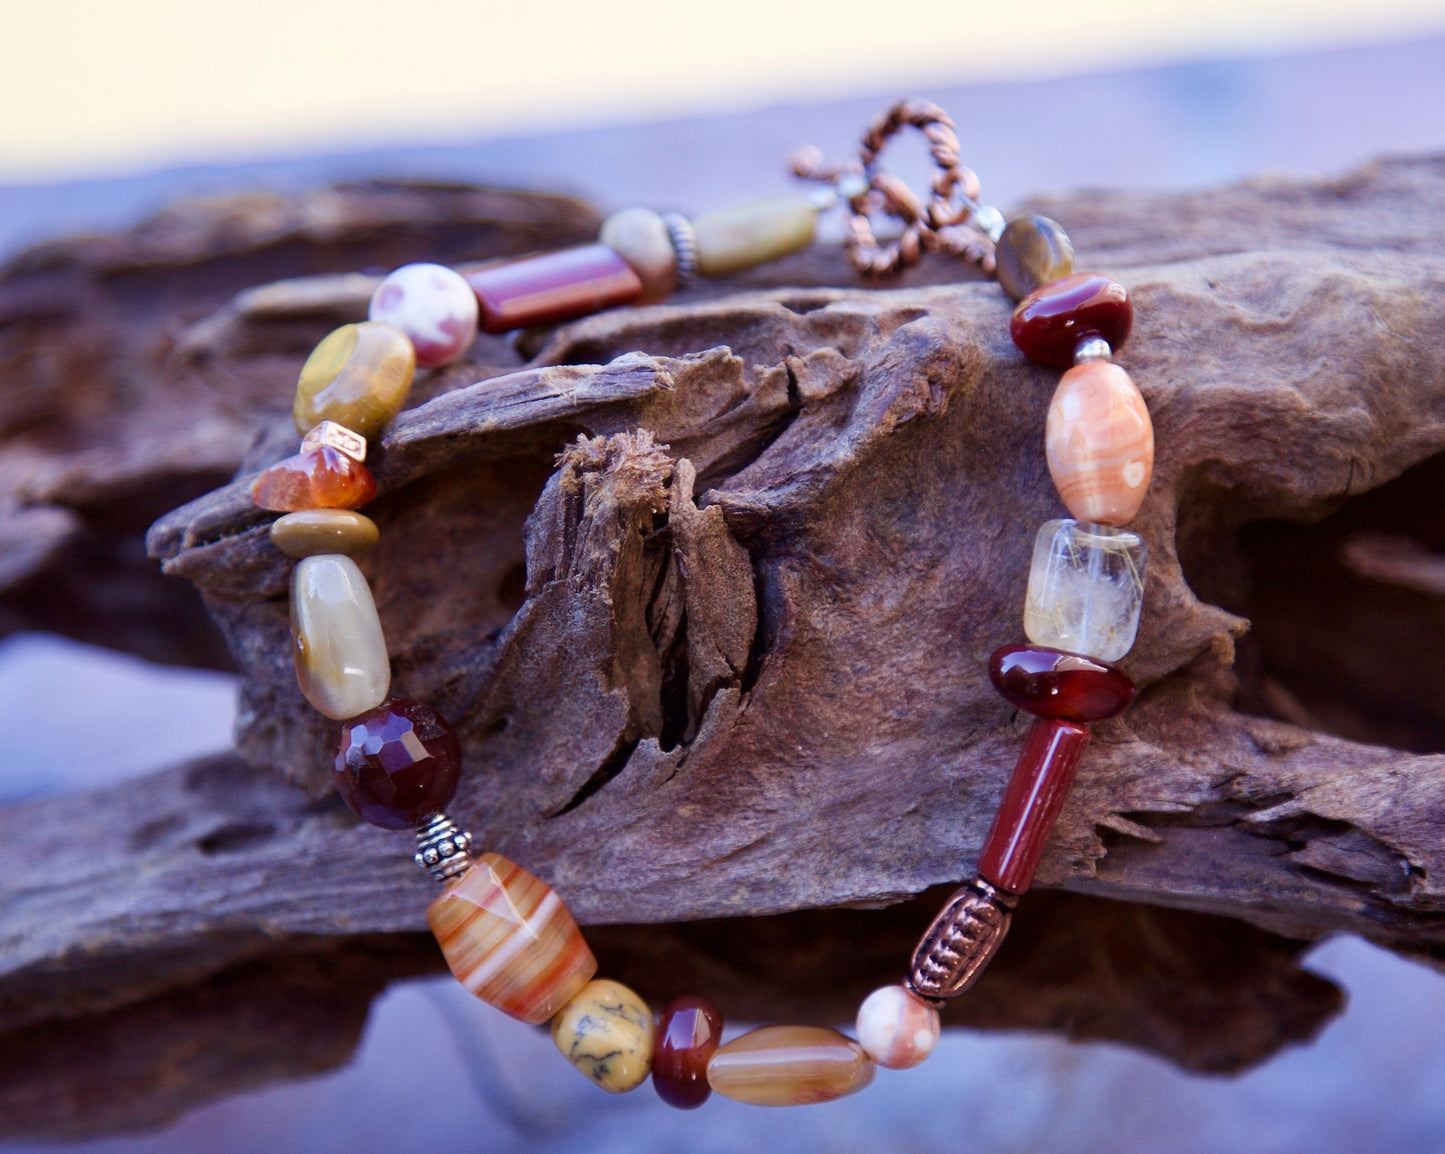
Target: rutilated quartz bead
column 897, row 1028
column 1100, row 443
column 433, row 305
column 1032, row 252
column 640, row 237
column 1049, row 323
column 606, row 1032
column 358, row 377
column 320, row 478
column 1031, row 803
column 312, row 531
column 753, row 233
column 397, row 765
column 339, row 650
column 552, row 287
column 789, row 1066
column 510, row 941
column 688, row 1032
column 1086, row 589
column 1053, row 683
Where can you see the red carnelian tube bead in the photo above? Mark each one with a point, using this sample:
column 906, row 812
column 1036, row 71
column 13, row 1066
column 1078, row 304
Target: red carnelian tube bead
column 687, row 1034
column 1031, row 804
column 1049, row 323
column 552, row 287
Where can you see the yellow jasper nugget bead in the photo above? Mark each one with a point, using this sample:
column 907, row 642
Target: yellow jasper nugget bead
column 1100, row 443
column 358, row 377
column 509, row 939
column 606, row 1032
column 789, row 1066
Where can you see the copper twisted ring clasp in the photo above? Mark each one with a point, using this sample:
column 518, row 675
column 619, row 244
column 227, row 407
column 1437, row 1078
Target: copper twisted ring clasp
column 952, row 220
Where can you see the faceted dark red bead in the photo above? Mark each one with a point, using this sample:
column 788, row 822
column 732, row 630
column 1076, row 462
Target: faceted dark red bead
column 687, row 1034
column 552, row 287
column 398, row 764
column 1049, row 323
column 1031, row 804
column 1055, row 683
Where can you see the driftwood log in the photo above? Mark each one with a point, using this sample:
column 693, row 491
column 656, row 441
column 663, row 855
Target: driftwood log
column 708, row 589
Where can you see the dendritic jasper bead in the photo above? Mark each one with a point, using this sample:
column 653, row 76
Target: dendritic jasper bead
column 510, row 941
column 433, row 306
column 606, row 1032
column 319, row 478
column 1086, row 589
column 640, row 237
column 358, row 377
column 753, row 233
column 1053, row 683
column 397, row 765
column 1100, row 443
column 789, row 1066
column 313, row 531
column 340, row 652
column 1050, row 322
column 688, row 1032
column 1032, row 252
column 897, row 1028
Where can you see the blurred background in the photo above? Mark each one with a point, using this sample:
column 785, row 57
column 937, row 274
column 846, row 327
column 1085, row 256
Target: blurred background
column 114, row 110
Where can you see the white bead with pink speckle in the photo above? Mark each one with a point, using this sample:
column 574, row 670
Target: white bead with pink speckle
column 432, row 305
column 896, row 1028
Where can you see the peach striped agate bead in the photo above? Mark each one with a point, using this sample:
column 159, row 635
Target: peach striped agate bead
column 509, row 940
column 1100, row 443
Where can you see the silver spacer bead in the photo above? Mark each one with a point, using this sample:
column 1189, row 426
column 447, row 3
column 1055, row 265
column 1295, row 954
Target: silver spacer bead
column 442, row 848
column 989, row 221
column 822, row 198
column 684, row 244
column 1092, row 349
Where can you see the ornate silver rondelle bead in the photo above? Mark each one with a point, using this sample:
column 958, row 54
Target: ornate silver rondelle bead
column 441, row 848
column 684, row 244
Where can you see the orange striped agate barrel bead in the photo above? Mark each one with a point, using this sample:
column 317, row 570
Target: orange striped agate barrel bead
column 509, row 939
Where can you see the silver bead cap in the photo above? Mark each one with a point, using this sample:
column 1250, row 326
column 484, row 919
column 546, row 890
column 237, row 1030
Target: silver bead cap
column 684, row 245
column 442, row 848
column 1092, row 349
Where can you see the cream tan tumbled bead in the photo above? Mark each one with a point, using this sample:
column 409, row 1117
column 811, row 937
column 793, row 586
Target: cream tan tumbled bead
column 313, row 531
column 640, row 237
column 340, row 652
column 753, row 233
column 789, row 1066
column 606, row 1032
column 1100, row 443
column 897, row 1028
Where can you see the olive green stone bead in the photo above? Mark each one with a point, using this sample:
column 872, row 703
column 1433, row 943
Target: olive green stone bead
column 1033, row 251
column 358, row 377
column 754, row 233
column 314, row 531
column 606, row 1032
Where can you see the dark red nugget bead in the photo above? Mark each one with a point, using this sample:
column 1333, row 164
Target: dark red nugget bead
column 1031, row 804
column 687, row 1034
column 1050, row 322
column 1056, row 683
column 398, row 764
column 552, row 287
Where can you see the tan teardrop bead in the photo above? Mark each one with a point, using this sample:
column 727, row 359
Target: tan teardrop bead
column 358, row 377
column 314, row 531
column 789, row 1066
column 606, row 1032
column 1100, row 443
column 339, row 649
column 753, row 233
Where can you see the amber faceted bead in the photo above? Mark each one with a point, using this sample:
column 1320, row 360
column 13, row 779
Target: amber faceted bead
column 1032, row 252
column 1055, row 683
column 552, row 287
column 320, row 478
column 398, row 764
column 1049, row 323
column 688, row 1032
column 1031, row 803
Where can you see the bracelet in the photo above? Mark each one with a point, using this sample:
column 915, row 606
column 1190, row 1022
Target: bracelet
column 505, row 934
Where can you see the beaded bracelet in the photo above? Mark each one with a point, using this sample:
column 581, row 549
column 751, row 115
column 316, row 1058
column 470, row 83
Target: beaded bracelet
column 505, row 934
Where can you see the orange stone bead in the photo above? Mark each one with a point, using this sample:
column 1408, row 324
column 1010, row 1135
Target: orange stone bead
column 320, row 478
column 509, row 939
column 789, row 1066
column 1100, row 443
